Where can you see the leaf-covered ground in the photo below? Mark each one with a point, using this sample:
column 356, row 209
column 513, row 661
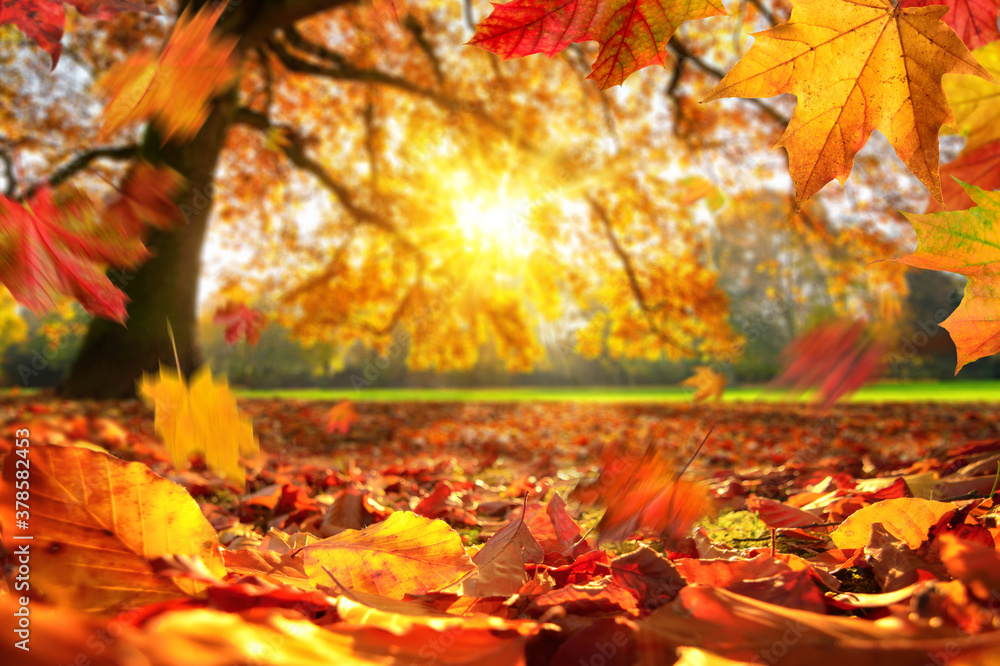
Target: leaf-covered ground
column 862, row 535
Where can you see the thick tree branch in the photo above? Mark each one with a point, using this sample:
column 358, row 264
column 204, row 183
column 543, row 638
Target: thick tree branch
column 294, row 149
column 681, row 51
column 335, row 66
column 633, row 280
column 82, row 161
column 417, row 30
column 10, row 178
column 278, row 14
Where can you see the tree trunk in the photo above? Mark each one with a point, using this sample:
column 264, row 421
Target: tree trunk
column 165, row 289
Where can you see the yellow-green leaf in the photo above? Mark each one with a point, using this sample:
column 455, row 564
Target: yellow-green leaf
column 97, row 521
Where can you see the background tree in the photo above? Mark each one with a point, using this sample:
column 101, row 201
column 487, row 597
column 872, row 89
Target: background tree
column 363, row 168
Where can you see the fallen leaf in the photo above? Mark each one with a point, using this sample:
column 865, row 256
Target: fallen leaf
column 855, row 66
column 737, row 627
column 908, row 519
column 649, row 576
column 405, row 554
column 501, row 563
column 97, row 521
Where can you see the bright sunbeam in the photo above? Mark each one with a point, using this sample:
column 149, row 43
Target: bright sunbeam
column 497, row 224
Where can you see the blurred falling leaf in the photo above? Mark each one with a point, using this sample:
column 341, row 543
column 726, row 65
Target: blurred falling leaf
column 173, row 88
column 49, row 249
column 240, row 321
column 97, row 521
column 644, row 495
column 707, row 383
column 836, row 358
column 146, row 197
column 200, row 419
column 341, row 417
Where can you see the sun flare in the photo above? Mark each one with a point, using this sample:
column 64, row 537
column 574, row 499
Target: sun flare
column 496, row 224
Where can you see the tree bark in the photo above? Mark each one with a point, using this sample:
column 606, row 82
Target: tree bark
column 165, row 289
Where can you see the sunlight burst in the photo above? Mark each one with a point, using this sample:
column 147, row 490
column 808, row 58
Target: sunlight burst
column 497, row 224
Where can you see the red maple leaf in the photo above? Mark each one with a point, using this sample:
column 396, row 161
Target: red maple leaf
column 975, row 21
column 836, row 358
column 979, row 167
column 341, row 417
column 633, row 33
column 48, row 249
column 43, row 21
column 240, row 322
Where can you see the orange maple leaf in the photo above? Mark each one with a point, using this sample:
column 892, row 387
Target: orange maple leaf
column 707, row 383
column 855, row 66
column 172, row 89
column 341, row 417
column 966, row 242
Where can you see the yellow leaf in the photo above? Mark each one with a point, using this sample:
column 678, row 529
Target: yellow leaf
column 977, row 102
column 855, row 66
column 200, row 420
column 97, row 521
column 404, row 554
column 707, row 383
column 908, row 519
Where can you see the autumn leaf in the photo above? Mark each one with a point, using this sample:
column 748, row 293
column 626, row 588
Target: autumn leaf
column 979, row 167
column 501, row 563
column 97, row 521
column 738, row 627
column 836, row 358
column 975, row 21
column 976, row 103
column 341, row 417
column 707, row 383
column 632, row 33
column 240, row 321
column 43, row 21
column 855, row 66
column 173, row 88
column 965, row 242
column 200, row 419
column 404, row 554
column 645, row 496
column 49, row 250
column 909, row 519
column 146, row 197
